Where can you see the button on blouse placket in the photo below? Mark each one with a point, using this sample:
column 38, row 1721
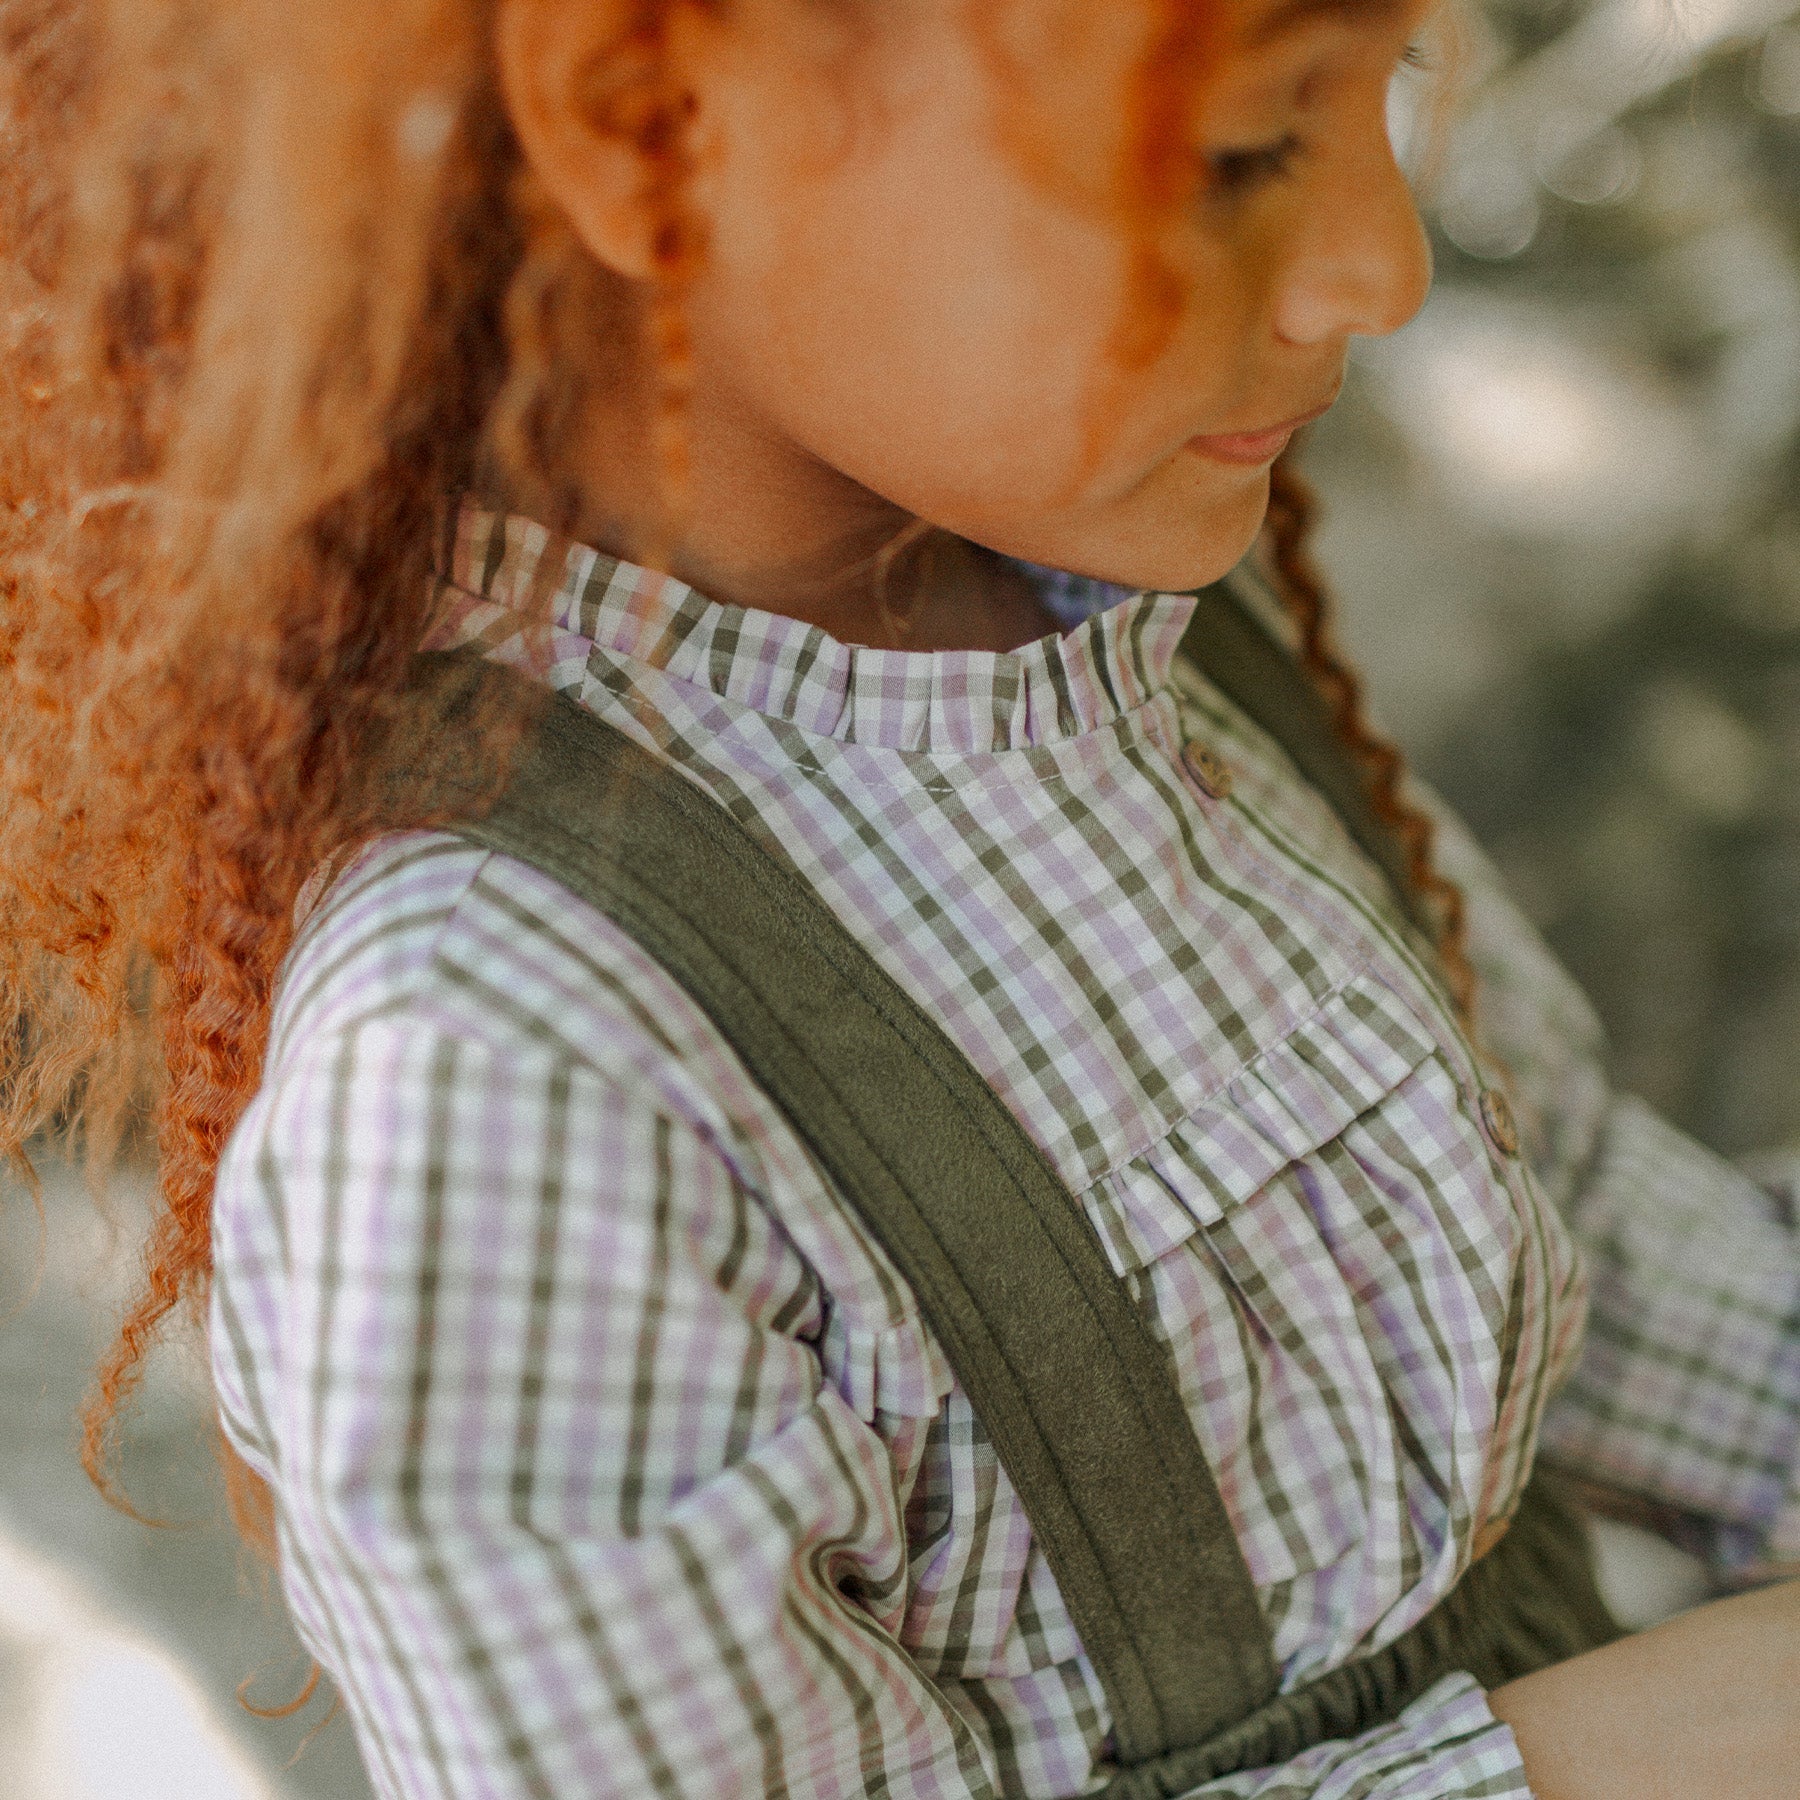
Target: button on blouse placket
column 1498, row 1122
column 1209, row 771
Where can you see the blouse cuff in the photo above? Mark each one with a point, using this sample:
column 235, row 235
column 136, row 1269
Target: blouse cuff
column 1447, row 1742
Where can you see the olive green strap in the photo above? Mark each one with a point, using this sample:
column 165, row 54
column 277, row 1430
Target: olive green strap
column 1078, row 1397
column 1245, row 663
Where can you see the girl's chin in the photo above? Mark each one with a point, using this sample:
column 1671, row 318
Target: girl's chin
column 1208, row 542
column 1173, row 534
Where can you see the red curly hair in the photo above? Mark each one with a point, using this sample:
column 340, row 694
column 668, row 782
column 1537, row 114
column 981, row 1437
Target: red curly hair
column 274, row 284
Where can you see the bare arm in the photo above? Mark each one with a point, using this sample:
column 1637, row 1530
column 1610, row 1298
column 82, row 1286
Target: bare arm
column 1707, row 1704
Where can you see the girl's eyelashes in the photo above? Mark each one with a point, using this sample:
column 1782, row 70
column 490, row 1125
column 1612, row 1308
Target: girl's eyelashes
column 1235, row 173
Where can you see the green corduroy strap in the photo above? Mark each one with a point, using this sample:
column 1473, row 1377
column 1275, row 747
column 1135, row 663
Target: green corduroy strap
column 1076, row 1394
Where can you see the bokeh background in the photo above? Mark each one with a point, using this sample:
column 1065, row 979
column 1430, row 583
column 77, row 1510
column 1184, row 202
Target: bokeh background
column 1564, row 523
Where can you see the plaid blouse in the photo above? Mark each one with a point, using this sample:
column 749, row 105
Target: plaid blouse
column 611, row 1456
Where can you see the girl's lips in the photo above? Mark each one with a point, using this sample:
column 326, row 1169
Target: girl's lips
column 1253, row 447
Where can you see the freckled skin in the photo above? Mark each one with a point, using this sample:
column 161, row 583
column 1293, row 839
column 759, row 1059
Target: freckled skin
column 901, row 318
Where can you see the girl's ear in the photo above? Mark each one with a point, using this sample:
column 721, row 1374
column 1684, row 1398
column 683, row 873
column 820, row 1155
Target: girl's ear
column 602, row 99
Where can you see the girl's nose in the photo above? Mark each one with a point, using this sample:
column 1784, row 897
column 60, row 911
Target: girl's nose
column 1363, row 266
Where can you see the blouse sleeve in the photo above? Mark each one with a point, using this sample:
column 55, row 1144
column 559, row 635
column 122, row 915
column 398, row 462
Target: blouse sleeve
column 1687, row 1392
column 565, row 1504
column 1446, row 1746
column 1688, row 1388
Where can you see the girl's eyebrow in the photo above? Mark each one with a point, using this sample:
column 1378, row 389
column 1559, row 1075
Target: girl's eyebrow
column 1288, row 14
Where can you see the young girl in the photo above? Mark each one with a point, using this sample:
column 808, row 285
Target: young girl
column 837, row 404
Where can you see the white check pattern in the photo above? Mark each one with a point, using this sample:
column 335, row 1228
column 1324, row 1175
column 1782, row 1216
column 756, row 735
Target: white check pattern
column 612, row 1458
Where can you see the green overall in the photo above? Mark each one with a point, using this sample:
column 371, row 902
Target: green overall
column 1055, row 1358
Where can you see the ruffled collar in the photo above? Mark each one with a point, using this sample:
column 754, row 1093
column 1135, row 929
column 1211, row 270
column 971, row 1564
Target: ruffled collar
column 494, row 568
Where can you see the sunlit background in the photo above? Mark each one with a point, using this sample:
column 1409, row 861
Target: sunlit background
column 1565, row 525
column 122, row 1647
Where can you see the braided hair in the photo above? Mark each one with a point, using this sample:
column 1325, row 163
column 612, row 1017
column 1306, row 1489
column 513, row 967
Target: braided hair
column 1288, row 530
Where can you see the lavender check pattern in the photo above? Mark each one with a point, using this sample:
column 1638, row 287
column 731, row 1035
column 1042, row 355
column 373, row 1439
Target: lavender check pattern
column 612, row 1458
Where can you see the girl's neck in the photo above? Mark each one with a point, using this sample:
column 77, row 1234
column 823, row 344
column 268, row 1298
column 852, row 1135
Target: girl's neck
column 763, row 524
column 922, row 589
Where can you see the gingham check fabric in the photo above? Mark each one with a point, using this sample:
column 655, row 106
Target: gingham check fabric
column 613, row 1459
